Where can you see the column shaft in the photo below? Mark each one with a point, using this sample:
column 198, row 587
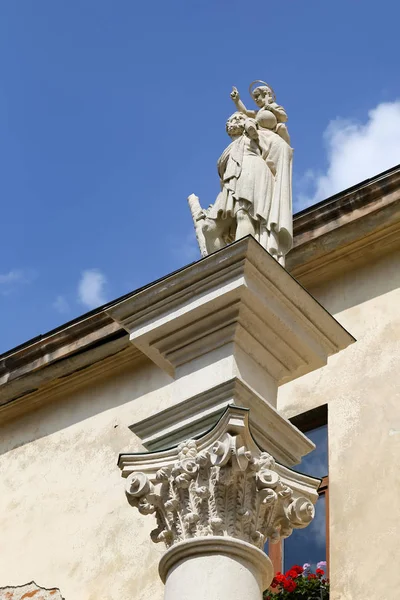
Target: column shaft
column 215, row 568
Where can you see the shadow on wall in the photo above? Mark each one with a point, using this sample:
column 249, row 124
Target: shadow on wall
column 360, row 285
column 98, row 395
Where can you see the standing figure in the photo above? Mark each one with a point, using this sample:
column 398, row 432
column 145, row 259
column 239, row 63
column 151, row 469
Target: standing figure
column 256, row 181
column 246, row 187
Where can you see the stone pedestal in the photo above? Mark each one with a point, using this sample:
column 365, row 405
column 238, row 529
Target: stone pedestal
column 228, row 330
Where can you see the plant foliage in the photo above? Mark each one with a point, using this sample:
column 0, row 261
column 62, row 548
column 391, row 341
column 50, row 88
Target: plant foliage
column 300, row 583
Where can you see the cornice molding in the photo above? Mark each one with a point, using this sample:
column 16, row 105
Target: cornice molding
column 57, row 386
column 348, row 231
column 193, row 417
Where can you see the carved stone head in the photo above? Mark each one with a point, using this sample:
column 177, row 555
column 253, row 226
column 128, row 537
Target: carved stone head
column 262, row 95
column 235, row 124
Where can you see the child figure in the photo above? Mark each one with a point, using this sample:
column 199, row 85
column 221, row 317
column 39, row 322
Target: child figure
column 269, row 114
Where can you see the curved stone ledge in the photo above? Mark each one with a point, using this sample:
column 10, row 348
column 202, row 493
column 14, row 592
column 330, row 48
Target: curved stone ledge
column 232, row 548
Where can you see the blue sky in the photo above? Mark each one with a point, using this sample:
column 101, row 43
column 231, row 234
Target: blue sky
column 111, row 113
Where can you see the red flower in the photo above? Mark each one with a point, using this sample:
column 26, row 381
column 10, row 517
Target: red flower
column 280, row 578
column 291, row 573
column 320, row 572
column 311, row 576
column 298, row 569
column 290, row 585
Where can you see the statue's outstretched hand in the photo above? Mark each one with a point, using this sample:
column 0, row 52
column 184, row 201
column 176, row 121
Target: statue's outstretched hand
column 235, row 94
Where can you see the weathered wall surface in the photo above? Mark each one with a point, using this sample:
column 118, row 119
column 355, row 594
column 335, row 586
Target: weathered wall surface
column 64, row 518
column 30, row 590
column 361, row 386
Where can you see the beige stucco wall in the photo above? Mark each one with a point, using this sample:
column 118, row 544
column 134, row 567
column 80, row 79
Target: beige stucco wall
column 64, row 519
column 361, row 386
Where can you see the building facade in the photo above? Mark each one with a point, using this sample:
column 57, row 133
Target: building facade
column 71, row 401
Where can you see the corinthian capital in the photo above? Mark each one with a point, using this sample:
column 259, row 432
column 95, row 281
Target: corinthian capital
column 219, row 485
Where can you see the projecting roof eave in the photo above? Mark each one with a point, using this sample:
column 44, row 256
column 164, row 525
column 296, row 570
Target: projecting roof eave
column 347, row 230
column 346, row 225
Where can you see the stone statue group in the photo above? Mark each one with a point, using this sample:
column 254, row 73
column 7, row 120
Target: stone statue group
column 255, row 171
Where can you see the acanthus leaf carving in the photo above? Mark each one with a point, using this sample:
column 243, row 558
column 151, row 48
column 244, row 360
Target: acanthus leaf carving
column 222, row 490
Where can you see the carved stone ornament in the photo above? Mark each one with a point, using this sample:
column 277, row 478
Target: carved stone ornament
column 219, row 485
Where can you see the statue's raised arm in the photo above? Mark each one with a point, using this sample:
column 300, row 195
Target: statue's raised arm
column 239, row 104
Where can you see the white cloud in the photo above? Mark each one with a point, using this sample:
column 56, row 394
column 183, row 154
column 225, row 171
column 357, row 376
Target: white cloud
column 11, row 277
column 16, row 277
column 356, row 151
column 91, row 288
column 61, row 305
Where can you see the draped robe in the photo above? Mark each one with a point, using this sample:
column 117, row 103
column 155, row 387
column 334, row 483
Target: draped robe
column 257, row 176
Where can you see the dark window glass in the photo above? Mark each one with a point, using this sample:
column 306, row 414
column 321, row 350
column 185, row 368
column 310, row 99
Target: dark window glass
column 307, row 545
column 316, row 463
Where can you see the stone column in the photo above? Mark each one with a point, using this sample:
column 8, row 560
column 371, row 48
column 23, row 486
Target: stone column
column 228, row 330
column 216, row 501
column 215, row 568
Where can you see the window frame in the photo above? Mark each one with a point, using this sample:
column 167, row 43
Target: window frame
column 311, row 419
